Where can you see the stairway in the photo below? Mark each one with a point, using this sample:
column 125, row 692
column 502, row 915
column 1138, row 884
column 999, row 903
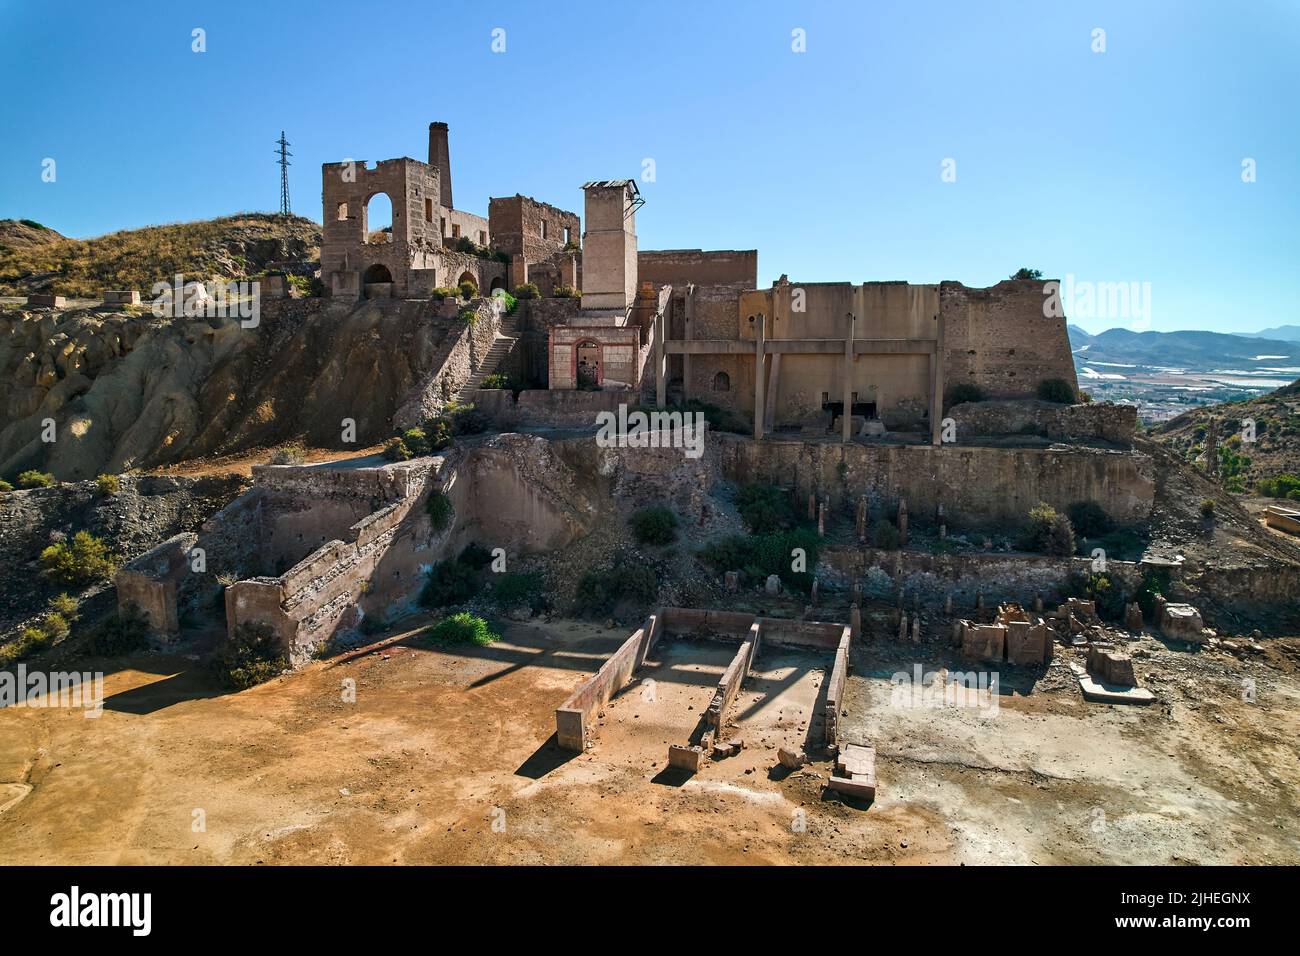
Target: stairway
column 506, row 337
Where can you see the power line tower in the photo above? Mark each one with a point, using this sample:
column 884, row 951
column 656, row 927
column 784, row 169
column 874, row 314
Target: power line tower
column 284, row 165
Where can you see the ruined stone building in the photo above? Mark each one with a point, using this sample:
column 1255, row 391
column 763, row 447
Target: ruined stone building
column 689, row 324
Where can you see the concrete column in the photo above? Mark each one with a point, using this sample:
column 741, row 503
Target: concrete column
column 846, row 428
column 936, row 382
column 773, row 385
column 689, row 333
column 661, row 380
column 760, row 342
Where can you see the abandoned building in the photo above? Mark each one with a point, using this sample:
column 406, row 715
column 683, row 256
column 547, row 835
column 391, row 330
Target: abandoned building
column 688, row 324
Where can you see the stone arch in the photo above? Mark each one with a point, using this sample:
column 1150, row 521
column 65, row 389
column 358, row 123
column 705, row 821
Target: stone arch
column 377, row 273
column 379, row 218
column 497, row 283
column 722, row 382
column 588, row 363
column 469, row 277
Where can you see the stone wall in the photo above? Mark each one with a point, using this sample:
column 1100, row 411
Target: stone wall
column 459, row 355
column 977, row 486
column 682, row 267
column 999, row 339
column 516, row 223
column 1103, row 421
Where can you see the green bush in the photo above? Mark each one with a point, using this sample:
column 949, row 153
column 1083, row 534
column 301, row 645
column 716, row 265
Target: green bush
column 65, row 605
column 1048, row 532
column 720, row 419
column 1102, row 590
column 78, row 562
column 510, row 302
column 1155, row 581
column 1089, row 519
column 655, row 525
column 1282, row 486
column 442, row 292
column 449, row 582
column 438, row 506
column 565, row 292
column 108, row 485
column 757, row 556
column 599, row 592
column 965, row 392
column 397, row 450
column 885, row 535
column 292, row 454
column 122, row 632
column 35, row 479
column 514, row 589
column 765, row 508
column 526, row 291
column 1207, row 508
column 463, row 628
column 468, row 290
column 498, row 380
column 1057, row 390
column 476, row 556
column 5, row 487
column 251, row 657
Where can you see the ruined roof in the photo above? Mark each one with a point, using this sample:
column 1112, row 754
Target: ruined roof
column 612, row 184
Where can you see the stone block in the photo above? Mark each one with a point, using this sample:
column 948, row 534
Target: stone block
column 682, row 757
column 1182, row 622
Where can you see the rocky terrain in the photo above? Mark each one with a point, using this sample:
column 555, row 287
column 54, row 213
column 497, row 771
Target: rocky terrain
column 127, row 390
column 35, row 258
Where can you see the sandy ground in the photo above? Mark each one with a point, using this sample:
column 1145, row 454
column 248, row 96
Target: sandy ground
column 445, row 758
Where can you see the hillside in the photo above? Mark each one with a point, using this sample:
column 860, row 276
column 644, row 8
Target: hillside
column 34, row 258
column 1276, row 449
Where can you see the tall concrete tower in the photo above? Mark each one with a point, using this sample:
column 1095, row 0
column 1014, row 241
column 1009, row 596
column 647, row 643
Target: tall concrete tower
column 609, row 244
column 440, row 159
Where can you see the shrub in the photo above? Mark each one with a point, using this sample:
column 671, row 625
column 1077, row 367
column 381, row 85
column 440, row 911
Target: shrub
column 498, row 380
column 65, row 605
column 517, row 589
column 758, row 556
column 468, row 316
column 1023, row 273
column 35, row 479
column 526, row 291
column 449, row 582
column 463, row 628
column 965, row 392
column 294, row 454
column 1057, row 390
column 565, row 292
column 437, row 434
column 1048, row 532
column 442, row 292
column 720, row 419
column 1100, row 588
column 122, row 632
column 397, row 450
column 510, row 302
column 439, row 508
column 108, row 485
column 1089, row 519
column 476, row 556
column 885, row 535
column 654, row 525
column 82, row 560
column 765, row 508
column 599, row 592
column 1155, row 581
column 1282, row 486
column 251, row 657
column 1207, row 508
column 5, row 487
column 467, row 290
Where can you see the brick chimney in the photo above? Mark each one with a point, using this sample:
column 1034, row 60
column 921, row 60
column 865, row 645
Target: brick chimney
column 440, row 158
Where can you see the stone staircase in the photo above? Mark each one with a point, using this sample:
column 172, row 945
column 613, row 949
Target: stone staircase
column 502, row 345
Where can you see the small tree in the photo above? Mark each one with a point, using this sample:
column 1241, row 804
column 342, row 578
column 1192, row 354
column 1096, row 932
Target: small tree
column 108, row 485
column 78, row 562
column 1027, row 274
column 526, row 291
column 965, row 392
column 656, row 525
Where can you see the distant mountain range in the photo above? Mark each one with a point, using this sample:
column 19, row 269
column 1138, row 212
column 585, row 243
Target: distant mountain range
column 1284, row 333
column 1189, row 351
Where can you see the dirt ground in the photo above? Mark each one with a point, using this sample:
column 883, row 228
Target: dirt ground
column 446, row 758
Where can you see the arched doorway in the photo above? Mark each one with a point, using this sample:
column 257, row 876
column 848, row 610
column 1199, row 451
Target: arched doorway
column 587, row 372
column 469, row 277
column 497, row 283
column 722, row 382
column 377, row 281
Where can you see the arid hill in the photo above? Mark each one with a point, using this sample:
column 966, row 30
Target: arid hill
column 34, row 258
column 1276, row 449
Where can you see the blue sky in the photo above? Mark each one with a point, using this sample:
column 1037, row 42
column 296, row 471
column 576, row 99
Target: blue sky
column 1122, row 166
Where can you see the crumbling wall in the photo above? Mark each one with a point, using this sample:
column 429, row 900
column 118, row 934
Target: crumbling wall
column 999, row 339
column 1103, row 421
column 682, row 267
column 573, row 717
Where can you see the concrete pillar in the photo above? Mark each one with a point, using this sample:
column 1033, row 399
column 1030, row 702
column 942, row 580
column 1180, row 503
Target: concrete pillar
column 902, row 626
column 760, row 346
column 773, row 386
column 812, row 506
column 661, row 377
column 902, row 522
column 847, row 389
column 855, row 621
column 936, row 381
column 688, row 332
column 916, row 629
column 814, row 592
column 947, row 604
column 862, row 518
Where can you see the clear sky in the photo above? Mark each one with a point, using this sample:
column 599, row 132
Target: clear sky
column 1115, row 166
